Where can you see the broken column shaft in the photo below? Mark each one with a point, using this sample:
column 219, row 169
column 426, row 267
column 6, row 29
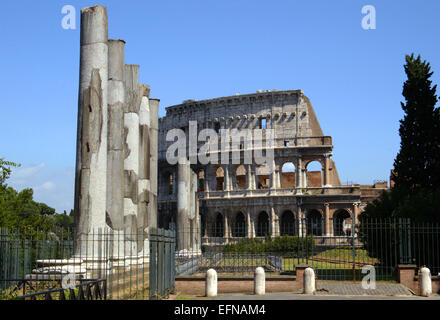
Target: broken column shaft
column 115, row 156
column 91, row 156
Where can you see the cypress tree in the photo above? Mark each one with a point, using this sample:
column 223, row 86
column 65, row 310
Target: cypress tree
column 417, row 165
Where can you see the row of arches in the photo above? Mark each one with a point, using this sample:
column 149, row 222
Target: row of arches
column 288, row 224
column 314, row 176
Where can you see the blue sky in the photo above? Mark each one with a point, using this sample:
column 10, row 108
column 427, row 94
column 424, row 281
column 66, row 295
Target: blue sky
column 204, row 49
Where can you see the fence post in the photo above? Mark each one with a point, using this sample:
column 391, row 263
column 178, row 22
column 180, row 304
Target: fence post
column 153, row 264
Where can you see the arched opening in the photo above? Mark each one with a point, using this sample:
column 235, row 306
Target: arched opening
column 240, row 175
column 314, row 223
column 341, row 223
column 287, row 223
column 288, row 175
column 217, row 227
column 239, row 227
column 170, row 180
column 263, row 176
column 201, row 176
column 220, row 179
column 314, row 174
column 262, row 224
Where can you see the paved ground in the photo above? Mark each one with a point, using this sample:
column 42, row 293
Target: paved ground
column 355, row 289
column 296, row 296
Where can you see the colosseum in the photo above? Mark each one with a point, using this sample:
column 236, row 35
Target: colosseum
column 239, row 199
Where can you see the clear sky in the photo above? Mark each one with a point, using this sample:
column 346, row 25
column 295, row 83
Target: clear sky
column 204, row 49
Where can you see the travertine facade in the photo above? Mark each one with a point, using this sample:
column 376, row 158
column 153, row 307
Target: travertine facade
column 248, row 194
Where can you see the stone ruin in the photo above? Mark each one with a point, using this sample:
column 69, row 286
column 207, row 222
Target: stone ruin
column 116, row 158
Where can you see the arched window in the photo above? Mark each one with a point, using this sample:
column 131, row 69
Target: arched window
column 314, row 223
column 239, row 227
column 288, row 175
column 263, row 224
column 217, row 227
column 341, row 223
column 220, row 179
column 201, row 186
column 314, row 174
column 287, row 223
column 263, row 176
column 240, row 175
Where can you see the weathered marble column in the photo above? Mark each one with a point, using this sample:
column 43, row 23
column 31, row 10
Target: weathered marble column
column 154, row 131
column 144, row 183
column 227, row 178
column 131, row 154
column 183, row 186
column 115, row 153
column 91, row 154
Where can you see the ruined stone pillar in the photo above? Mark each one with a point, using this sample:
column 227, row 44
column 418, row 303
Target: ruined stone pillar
column 154, row 133
column 115, row 153
column 131, row 154
column 91, row 154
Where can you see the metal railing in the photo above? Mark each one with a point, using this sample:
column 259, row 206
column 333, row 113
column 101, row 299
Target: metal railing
column 337, row 251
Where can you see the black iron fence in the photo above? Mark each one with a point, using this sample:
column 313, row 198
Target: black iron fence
column 52, row 289
column 162, row 269
column 121, row 259
column 337, row 249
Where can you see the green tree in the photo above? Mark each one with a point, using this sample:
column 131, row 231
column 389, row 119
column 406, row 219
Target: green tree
column 5, row 169
column 417, row 164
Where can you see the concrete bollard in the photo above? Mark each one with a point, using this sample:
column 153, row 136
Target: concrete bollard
column 211, row 283
column 425, row 282
column 259, row 281
column 309, row 281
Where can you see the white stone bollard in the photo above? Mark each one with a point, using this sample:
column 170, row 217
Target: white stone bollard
column 211, row 283
column 309, row 281
column 425, row 282
column 259, row 281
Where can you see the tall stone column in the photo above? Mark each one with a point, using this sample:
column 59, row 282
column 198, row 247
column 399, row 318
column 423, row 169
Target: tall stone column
column 274, row 222
column 131, row 154
column 227, row 178
column 356, row 212
column 327, row 171
column 249, row 177
column 91, row 153
column 154, row 133
column 115, row 153
column 327, row 219
column 144, row 183
column 249, row 225
column 183, row 204
column 299, row 174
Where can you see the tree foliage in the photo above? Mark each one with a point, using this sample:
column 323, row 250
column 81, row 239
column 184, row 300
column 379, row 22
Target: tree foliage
column 416, row 170
column 18, row 209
